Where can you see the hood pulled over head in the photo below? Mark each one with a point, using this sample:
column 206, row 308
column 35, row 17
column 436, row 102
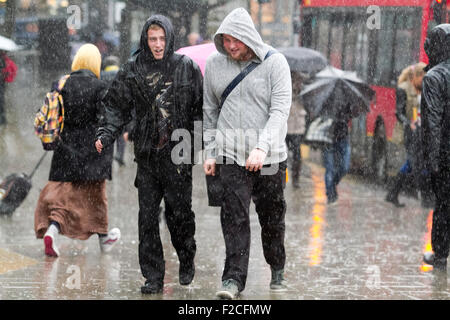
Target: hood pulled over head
column 437, row 45
column 239, row 25
column 164, row 23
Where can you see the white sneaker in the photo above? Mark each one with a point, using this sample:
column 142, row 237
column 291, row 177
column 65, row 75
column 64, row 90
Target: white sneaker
column 51, row 249
column 108, row 242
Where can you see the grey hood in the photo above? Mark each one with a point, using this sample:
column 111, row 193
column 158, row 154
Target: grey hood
column 255, row 113
column 239, row 25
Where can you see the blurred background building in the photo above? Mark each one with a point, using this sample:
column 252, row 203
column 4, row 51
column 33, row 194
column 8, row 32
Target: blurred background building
column 47, row 25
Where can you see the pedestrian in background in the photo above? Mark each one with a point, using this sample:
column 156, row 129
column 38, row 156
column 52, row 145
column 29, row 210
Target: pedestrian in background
column 74, row 201
column 436, row 139
column 110, row 68
column 165, row 90
column 296, row 129
column 194, row 39
column 260, row 103
column 407, row 131
column 8, row 71
column 336, row 155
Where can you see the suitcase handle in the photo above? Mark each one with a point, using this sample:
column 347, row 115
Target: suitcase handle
column 37, row 165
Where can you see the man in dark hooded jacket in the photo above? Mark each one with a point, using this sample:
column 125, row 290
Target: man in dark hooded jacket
column 165, row 89
column 435, row 106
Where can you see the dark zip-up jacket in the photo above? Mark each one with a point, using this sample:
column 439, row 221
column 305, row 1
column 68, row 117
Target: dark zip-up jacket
column 435, row 103
column 130, row 91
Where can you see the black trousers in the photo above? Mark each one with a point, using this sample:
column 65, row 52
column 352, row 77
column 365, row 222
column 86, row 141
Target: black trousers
column 267, row 192
column 293, row 142
column 159, row 179
column 440, row 231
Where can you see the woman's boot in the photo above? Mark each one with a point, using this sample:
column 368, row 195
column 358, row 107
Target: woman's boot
column 394, row 191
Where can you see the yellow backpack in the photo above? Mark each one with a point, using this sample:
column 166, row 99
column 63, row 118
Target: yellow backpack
column 49, row 120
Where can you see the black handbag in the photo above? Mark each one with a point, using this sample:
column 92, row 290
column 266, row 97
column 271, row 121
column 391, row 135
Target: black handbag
column 213, row 183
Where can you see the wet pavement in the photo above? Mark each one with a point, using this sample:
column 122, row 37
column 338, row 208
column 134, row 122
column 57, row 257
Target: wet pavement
column 361, row 248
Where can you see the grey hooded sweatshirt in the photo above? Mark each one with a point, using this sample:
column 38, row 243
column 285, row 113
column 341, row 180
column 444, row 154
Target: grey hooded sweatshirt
column 255, row 113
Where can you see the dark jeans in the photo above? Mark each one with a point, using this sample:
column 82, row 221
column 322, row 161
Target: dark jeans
column 155, row 181
column 440, row 231
column 336, row 160
column 240, row 186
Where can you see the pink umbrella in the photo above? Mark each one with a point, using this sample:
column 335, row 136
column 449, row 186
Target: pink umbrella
column 199, row 53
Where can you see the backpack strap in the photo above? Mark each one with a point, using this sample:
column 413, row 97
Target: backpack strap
column 62, row 82
column 240, row 77
column 60, row 86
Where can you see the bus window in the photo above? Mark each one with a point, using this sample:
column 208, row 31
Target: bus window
column 355, row 56
column 322, row 33
column 439, row 15
column 439, row 12
column 306, row 32
column 362, row 54
column 342, row 37
column 336, row 41
column 384, row 60
column 407, row 40
column 350, row 36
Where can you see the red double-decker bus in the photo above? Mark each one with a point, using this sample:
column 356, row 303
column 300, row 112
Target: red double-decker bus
column 377, row 39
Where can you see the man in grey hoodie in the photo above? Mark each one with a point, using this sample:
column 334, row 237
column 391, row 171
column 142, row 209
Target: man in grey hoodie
column 247, row 134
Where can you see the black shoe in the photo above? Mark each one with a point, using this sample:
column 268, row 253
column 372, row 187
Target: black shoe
column 394, row 201
column 278, row 283
column 229, row 290
column 151, row 288
column 332, row 201
column 186, row 273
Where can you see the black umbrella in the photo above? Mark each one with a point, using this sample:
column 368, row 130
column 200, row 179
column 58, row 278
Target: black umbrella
column 336, row 93
column 304, row 60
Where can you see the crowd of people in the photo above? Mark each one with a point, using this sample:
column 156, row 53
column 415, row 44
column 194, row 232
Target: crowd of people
column 158, row 92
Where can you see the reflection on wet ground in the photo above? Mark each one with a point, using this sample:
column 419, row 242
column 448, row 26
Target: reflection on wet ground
column 360, row 248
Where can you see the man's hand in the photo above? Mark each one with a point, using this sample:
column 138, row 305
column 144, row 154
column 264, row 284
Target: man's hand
column 209, row 166
column 99, row 145
column 255, row 160
column 126, row 136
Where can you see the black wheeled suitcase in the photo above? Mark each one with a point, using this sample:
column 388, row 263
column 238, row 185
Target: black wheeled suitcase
column 14, row 189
